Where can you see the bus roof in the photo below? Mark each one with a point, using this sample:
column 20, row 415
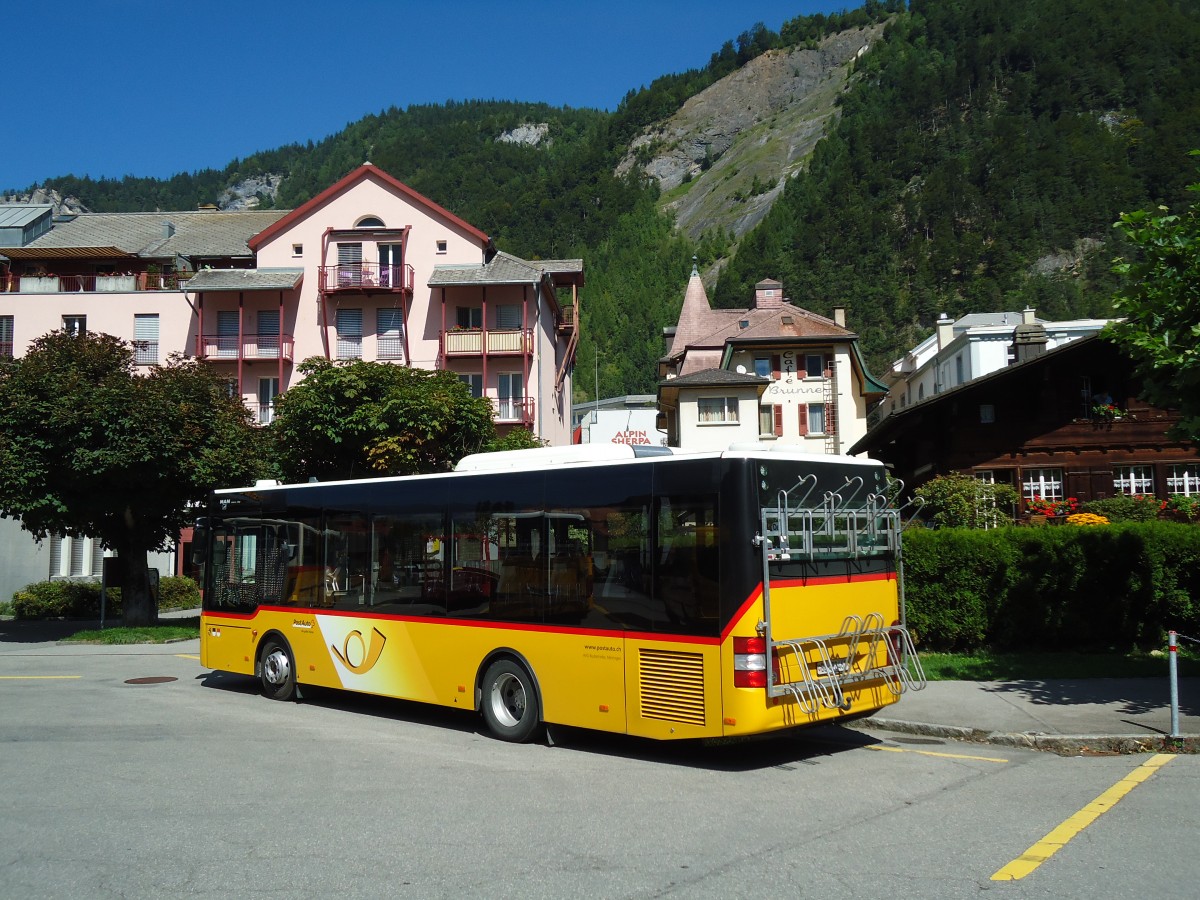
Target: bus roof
column 542, row 458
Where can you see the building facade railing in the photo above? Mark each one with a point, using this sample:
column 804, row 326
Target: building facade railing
column 367, row 278
column 472, row 342
column 518, row 409
column 219, row 347
column 87, row 284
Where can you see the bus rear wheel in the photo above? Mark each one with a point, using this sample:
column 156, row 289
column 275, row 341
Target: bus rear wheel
column 276, row 671
column 510, row 702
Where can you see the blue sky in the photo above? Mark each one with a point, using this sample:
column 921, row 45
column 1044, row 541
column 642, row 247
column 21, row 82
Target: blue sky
column 109, row 88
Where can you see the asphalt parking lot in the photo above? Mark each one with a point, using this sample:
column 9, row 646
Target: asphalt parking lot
column 133, row 772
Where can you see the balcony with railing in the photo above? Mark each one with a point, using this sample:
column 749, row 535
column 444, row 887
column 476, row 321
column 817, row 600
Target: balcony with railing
column 367, row 278
column 221, row 347
column 510, row 410
column 88, row 284
column 566, row 320
column 475, row 342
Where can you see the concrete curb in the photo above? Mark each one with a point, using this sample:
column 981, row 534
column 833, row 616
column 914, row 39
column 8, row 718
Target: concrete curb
column 1062, row 744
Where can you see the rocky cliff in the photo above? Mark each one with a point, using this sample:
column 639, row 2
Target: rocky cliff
column 727, row 154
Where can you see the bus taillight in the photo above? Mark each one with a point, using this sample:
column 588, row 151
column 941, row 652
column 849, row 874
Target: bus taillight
column 895, row 655
column 750, row 662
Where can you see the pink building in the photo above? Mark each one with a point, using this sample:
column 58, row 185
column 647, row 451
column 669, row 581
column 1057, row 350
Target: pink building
column 368, row 269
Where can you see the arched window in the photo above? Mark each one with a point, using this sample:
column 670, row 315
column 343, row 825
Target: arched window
column 370, row 222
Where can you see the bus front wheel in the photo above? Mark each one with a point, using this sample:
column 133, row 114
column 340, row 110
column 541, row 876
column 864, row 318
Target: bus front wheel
column 509, row 701
column 276, row 671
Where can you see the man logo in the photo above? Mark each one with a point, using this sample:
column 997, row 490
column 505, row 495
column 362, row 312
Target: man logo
column 356, row 655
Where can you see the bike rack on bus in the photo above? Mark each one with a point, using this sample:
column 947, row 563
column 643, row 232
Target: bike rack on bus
column 835, row 530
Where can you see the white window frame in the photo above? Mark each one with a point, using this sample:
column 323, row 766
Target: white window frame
column 1134, row 480
column 268, row 391
column 75, row 325
column 816, row 418
column 1184, row 478
column 1042, row 484
column 814, row 360
column 510, row 394
column 717, row 410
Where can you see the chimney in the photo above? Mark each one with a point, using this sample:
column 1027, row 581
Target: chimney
column 168, row 229
column 1028, row 315
column 839, row 316
column 768, row 294
column 945, row 331
column 1029, row 341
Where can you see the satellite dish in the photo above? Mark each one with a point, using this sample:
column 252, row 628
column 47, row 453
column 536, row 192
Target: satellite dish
column 741, row 370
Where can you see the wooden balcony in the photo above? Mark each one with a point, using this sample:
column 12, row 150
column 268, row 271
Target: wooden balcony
column 367, row 278
column 253, row 347
column 476, row 342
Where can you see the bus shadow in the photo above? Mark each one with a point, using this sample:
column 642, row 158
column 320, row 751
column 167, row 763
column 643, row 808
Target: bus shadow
column 774, row 751
column 790, row 749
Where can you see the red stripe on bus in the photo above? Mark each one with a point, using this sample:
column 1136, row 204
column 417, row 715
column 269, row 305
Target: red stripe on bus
column 812, row 581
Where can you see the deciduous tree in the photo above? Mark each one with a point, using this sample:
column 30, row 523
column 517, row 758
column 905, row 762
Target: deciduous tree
column 1160, row 303
column 88, row 447
column 362, row 419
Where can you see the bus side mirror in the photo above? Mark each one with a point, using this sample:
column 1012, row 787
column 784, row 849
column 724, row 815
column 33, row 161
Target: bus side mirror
column 200, row 538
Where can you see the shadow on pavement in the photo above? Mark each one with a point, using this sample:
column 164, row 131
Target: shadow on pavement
column 1127, row 696
column 41, row 631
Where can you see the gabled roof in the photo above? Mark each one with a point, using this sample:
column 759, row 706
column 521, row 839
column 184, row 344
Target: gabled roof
column 156, row 235
column 363, row 172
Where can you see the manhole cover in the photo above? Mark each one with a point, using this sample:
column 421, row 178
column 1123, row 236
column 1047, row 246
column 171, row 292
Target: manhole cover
column 153, row 679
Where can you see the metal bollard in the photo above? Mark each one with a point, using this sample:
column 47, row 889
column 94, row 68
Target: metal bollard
column 1173, row 668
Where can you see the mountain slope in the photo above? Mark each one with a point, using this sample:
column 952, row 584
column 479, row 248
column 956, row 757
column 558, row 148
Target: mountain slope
column 724, row 157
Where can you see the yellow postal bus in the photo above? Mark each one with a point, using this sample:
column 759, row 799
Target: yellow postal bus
column 628, row 589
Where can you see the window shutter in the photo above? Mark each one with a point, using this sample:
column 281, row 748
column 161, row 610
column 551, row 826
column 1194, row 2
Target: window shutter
column 778, row 421
column 776, row 367
column 803, row 410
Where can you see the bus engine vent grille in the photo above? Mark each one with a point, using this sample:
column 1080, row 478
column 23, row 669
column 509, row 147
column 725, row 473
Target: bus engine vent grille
column 672, row 685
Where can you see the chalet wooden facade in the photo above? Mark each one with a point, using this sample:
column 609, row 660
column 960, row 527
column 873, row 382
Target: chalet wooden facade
column 1067, row 423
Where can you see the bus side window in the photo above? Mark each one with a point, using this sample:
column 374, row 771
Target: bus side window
column 685, row 578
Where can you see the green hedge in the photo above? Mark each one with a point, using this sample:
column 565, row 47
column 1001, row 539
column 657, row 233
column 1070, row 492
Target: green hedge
column 81, row 599
column 1116, row 586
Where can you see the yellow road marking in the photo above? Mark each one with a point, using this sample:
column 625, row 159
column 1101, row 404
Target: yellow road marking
column 186, row 656
column 1058, row 838
column 37, row 677
column 935, row 753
